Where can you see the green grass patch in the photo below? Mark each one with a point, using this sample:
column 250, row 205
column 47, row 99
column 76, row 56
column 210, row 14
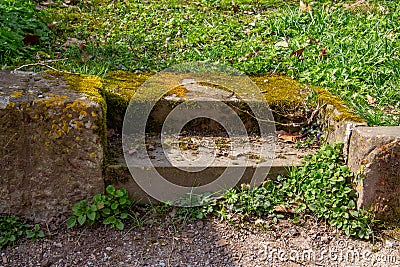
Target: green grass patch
column 352, row 50
column 22, row 32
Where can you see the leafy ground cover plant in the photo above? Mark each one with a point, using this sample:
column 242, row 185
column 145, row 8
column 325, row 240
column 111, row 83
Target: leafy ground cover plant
column 111, row 208
column 12, row 229
column 321, row 187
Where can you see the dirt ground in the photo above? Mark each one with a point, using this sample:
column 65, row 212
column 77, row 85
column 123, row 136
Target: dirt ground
column 211, row 242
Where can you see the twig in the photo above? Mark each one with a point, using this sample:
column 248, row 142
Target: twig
column 80, row 235
column 53, row 60
column 12, row 137
column 293, row 124
column 36, row 64
column 172, row 251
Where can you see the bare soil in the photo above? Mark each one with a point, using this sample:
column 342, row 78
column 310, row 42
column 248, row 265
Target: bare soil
column 211, row 242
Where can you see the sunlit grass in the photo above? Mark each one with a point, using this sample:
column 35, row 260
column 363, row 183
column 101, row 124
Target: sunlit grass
column 361, row 62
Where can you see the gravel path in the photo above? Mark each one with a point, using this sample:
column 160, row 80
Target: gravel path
column 202, row 243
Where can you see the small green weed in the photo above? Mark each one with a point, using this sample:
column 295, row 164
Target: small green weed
column 312, row 138
column 112, row 208
column 323, row 185
column 12, row 229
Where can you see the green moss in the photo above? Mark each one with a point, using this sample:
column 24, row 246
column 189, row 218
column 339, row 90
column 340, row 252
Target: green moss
column 281, row 92
column 119, row 88
column 345, row 113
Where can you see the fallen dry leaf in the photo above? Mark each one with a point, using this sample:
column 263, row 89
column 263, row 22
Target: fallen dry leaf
column 283, row 43
column 288, row 137
column 74, row 41
column 298, row 53
column 85, row 56
column 371, row 100
column 282, row 208
column 221, row 243
column 46, row 3
column 30, row 39
column 304, row 7
column 322, row 53
column 354, row 5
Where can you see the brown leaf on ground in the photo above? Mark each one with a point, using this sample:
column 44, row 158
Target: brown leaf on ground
column 85, row 56
column 288, row 137
column 46, row 3
column 304, row 7
column 371, row 100
column 283, row 209
column 30, row 39
column 283, row 43
column 298, row 53
column 322, row 53
column 74, row 41
column 356, row 4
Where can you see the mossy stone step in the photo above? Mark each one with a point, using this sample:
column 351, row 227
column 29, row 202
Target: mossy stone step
column 287, row 99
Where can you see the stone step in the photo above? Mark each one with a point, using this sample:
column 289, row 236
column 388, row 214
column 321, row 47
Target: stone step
column 205, row 125
column 287, row 100
column 193, row 161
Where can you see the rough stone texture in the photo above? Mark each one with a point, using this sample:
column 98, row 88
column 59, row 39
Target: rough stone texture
column 117, row 174
column 50, row 145
column 374, row 153
column 337, row 119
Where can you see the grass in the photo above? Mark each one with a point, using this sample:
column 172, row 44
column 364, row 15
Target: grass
column 352, row 50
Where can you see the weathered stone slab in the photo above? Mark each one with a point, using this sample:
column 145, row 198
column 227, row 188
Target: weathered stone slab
column 190, row 174
column 51, row 137
column 374, row 153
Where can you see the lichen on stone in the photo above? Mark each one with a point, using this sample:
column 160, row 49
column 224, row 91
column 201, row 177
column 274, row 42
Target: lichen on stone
column 92, row 87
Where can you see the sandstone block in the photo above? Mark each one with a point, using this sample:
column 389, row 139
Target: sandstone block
column 51, row 149
column 374, row 154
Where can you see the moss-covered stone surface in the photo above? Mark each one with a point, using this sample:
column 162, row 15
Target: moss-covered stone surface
column 289, row 101
column 51, row 149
